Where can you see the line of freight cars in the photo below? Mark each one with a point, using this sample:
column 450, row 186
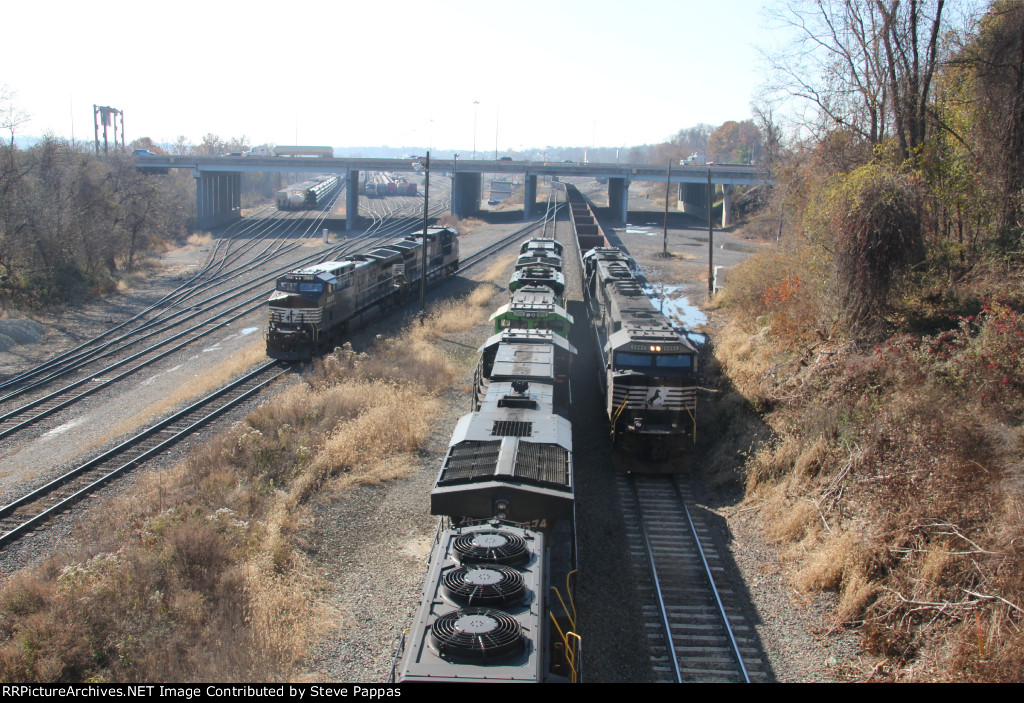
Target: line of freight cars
column 382, row 189
column 312, row 308
column 308, row 194
column 497, row 604
column 650, row 379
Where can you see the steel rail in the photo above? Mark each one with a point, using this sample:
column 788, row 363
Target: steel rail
column 713, row 585
column 667, row 628
column 273, row 369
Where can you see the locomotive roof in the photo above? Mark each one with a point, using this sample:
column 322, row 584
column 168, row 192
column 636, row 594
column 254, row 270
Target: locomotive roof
column 538, row 300
column 539, row 258
column 421, row 663
column 328, row 268
column 542, row 244
column 535, row 361
column 532, row 309
column 525, row 338
column 531, row 426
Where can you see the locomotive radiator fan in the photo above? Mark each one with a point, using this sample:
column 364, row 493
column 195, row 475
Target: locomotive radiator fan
column 490, row 547
column 483, row 584
column 477, row 635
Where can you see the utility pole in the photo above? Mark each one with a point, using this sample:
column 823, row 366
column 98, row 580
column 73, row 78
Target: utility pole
column 455, row 190
column 711, row 240
column 664, row 240
column 426, row 212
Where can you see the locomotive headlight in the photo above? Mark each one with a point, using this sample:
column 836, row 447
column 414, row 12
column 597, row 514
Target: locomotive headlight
column 501, row 508
column 655, row 348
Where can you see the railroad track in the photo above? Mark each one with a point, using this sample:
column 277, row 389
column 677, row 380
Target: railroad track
column 531, row 228
column 695, row 634
column 30, row 511
column 27, row 414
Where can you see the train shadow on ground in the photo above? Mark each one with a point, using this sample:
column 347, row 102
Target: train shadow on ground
column 733, row 429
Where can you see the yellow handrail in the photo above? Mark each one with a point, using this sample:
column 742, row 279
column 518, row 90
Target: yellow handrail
column 570, row 652
column 616, row 414
column 693, row 416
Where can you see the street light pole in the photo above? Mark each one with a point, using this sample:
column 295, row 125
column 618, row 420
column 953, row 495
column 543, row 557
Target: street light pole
column 476, row 104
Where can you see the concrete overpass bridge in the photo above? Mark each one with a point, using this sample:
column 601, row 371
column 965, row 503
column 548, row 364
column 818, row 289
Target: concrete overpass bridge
column 219, row 199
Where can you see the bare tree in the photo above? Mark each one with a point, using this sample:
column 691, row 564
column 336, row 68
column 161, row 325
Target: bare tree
column 11, row 118
column 836, row 62
column 996, row 60
column 866, row 65
column 910, row 32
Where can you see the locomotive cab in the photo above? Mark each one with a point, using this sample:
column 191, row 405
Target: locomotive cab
column 651, row 378
column 297, row 310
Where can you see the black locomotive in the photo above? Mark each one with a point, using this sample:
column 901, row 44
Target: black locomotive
column 650, row 368
column 497, row 602
column 313, row 307
column 650, row 379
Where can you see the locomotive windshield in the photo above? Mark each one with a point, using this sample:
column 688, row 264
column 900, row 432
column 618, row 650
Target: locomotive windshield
column 642, row 362
column 300, row 287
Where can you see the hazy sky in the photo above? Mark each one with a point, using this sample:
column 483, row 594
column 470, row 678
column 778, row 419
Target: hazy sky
column 395, row 72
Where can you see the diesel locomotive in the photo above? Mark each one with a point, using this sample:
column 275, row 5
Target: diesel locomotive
column 650, row 379
column 313, row 307
column 497, row 602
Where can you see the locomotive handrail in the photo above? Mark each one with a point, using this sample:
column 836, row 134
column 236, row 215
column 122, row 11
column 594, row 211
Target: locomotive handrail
column 568, row 650
column 617, row 414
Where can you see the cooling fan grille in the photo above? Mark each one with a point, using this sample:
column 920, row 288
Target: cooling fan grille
column 481, row 635
column 483, row 584
column 490, row 547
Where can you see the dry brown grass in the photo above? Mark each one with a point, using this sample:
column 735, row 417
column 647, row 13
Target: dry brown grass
column 201, row 384
column 199, row 239
column 883, row 482
column 465, row 226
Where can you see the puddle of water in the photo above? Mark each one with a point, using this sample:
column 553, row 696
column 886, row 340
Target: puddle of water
column 744, row 248
column 250, row 330
column 639, row 229
column 678, row 309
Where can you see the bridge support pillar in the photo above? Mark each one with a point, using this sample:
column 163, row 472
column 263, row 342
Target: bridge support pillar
column 466, row 189
column 529, row 196
column 218, row 198
column 351, row 201
column 693, row 199
column 726, row 205
column 618, row 198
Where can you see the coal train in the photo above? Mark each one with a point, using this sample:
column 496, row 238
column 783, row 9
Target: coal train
column 497, row 603
column 307, row 195
column 313, row 307
column 650, row 378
